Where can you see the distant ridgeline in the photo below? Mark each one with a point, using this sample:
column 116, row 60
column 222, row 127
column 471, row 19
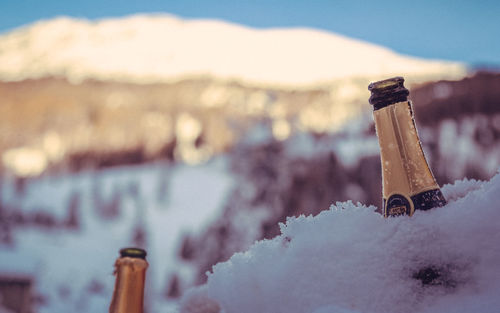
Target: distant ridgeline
column 53, row 124
column 80, row 93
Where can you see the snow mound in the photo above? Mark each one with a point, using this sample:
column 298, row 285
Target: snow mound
column 156, row 48
column 351, row 259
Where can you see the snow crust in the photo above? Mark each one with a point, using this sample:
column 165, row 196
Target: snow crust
column 155, row 48
column 350, row 259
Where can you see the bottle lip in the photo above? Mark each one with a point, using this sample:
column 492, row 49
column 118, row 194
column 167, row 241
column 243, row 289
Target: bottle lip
column 132, row 252
column 388, row 91
column 389, row 83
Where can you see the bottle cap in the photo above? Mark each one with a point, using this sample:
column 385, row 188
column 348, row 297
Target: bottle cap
column 388, row 91
column 133, row 253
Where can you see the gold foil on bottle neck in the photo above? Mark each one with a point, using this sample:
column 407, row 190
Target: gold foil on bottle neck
column 404, row 168
column 128, row 296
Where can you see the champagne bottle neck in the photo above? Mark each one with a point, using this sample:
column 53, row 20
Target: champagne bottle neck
column 128, row 296
column 408, row 183
column 405, row 172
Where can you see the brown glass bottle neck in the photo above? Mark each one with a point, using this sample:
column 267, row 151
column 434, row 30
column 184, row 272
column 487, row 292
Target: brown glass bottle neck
column 128, row 296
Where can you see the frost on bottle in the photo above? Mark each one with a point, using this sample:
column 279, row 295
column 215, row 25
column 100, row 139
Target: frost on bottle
column 130, row 271
column 407, row 181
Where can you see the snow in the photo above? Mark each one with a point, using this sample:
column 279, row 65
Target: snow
column 72, row 268
column 350, row 259
column 158, row 48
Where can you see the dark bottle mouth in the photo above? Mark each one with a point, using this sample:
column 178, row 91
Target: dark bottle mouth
column 133, row 253
column 388, row 91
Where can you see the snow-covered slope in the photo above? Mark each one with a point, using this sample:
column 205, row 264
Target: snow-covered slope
column 71, row 267
column 152, row 48
column 351, row 260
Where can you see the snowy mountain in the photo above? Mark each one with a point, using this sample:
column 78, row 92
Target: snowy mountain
column 199, row 85
column 163, row 48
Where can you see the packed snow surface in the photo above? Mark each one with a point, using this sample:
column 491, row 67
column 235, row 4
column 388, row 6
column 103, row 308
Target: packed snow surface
column 350, row 259
column 153, row 48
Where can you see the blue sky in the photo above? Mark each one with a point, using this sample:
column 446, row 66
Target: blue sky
column 467, row 31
